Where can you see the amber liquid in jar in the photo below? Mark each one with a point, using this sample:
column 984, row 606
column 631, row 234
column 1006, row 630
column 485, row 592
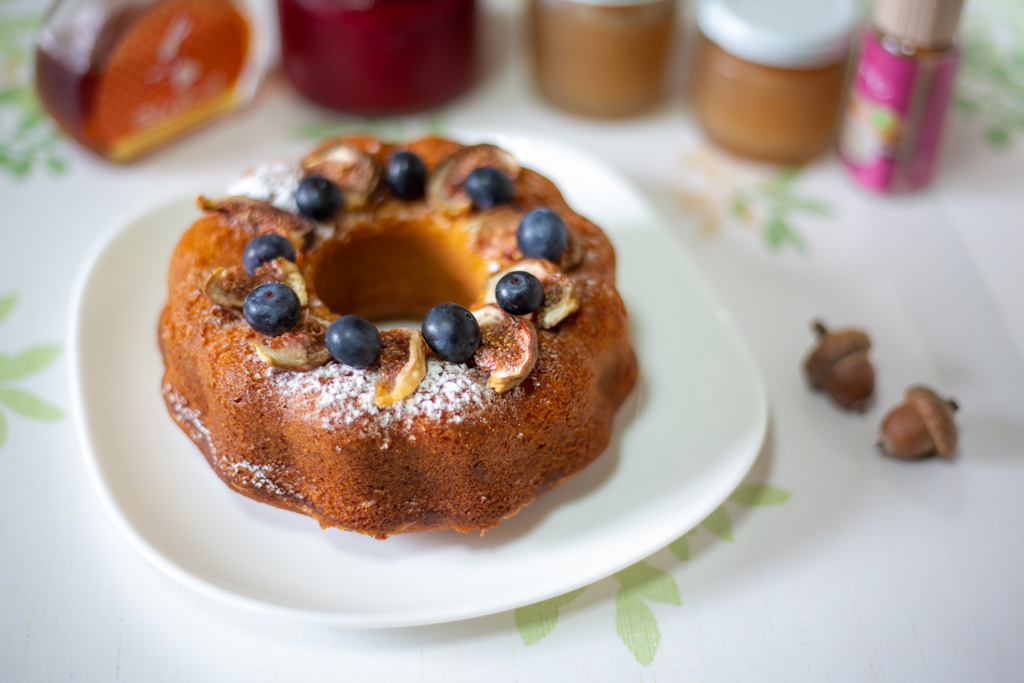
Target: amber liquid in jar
column 125, row 82
column 785, row 116
column 601, row 60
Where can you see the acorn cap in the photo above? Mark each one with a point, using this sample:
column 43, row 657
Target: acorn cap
column 831, row 347
column 937, row 414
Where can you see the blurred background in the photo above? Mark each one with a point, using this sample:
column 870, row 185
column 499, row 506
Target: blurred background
column 812, row 159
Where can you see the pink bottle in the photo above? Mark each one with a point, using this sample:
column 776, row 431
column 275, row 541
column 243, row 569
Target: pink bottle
column 899, row 93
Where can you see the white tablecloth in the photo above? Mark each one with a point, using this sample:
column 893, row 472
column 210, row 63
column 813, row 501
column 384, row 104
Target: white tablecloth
column 833, row 563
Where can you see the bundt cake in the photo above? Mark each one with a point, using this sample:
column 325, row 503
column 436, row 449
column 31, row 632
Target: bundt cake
column 275, row 367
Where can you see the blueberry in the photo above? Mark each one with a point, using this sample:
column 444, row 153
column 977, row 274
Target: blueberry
column 266, row 248
column 542, row 234
column 407, row 175
column 353, row 340
column 318, row 198
column 272, row 309
column 519, row 292
column 452, row 332
column 488, row 187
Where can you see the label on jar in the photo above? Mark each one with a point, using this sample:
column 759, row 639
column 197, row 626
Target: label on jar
column 175, row 67
column 894, row 114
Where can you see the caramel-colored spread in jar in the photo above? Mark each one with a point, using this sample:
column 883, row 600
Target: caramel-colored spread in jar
column 783, row 115
column 600, row 58
column 768, row 77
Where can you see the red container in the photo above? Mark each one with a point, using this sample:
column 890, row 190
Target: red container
column 378, row 56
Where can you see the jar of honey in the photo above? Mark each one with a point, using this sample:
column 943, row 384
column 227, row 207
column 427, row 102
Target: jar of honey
column 379, row 56
column 768, row 78
column 126, row 76
column 601, row 57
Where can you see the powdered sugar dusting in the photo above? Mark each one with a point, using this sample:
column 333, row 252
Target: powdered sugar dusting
column 260, row 476
column 344, row 396
column 189, row 417
column 446, row 390
column 274, row 182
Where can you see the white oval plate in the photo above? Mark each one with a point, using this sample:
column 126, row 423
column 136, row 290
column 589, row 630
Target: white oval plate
column 683, row 442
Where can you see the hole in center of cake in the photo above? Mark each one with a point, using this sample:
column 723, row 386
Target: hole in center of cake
column 391, row 274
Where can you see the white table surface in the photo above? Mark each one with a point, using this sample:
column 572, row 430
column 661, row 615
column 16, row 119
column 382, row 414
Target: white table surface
column 861, row 568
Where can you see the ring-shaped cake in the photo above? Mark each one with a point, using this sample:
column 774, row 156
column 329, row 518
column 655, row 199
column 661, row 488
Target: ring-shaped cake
column 411, row 441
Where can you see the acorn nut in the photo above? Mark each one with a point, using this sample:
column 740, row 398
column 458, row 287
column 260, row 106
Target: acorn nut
column 839, row 366
column 920, row 426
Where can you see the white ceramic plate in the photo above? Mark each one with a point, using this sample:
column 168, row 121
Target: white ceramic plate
column 684, row 440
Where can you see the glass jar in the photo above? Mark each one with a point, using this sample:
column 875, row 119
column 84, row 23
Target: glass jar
column 379, row 56
column 768, row 78
column 601, row 57
column 126, row 76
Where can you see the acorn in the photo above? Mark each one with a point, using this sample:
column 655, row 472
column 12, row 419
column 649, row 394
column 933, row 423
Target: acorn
column 839, row 366
column 920, row 426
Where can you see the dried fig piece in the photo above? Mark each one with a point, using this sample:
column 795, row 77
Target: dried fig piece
column 444, row 188
column 301, row 349
column 228, row 287
column 560, row 298
column 402, row 363
column 284, row 271
column 356, row 173
column 573, row 255
column 493, row 234
column 260, row 218
column 508, row 349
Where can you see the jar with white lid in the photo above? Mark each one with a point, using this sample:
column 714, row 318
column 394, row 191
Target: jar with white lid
column 601, row 57
column 768, row 78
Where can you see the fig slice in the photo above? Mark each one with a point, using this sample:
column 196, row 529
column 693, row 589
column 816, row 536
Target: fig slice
column 573, row 255
column 260, row 217
column 355, row 172
column 284, row 271
column 402, row 364
column 560, row 298
column 508, row 350
column 301, row 349
column 493, row 234
column 228, row 287
column 444, row 188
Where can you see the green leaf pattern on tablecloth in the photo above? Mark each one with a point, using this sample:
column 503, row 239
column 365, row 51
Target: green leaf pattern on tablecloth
column 7, row 303
column 19, row 366
column 28, row 138
column 681, row 546
column 536, row 621
column 719, row 524
column 990, row 86
column 27, row 362
column 635, row 621
column 718, row 190
column 758, row 494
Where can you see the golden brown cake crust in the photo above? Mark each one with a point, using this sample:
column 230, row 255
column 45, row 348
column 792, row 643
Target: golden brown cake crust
column 455, row 454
